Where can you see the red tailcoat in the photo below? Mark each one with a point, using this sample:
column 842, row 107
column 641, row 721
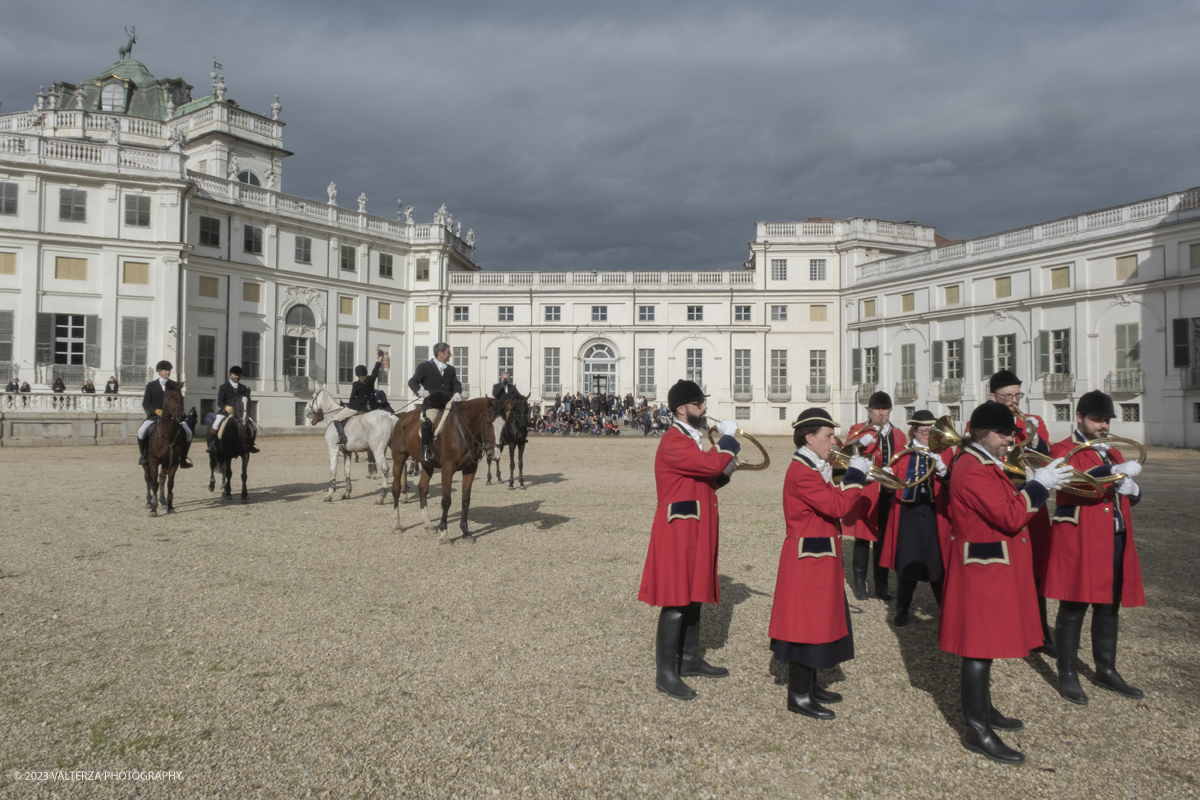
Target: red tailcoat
column 941, row 504
column 681, row 564
column 810, row 588
column 862, row 522
column 990, row 608
column 1080, row 567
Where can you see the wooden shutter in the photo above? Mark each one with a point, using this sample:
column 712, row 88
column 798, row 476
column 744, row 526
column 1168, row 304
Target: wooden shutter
column 939, row 360
column 1180, row 342
column 289, row 360
column 44, row 348
column 133, row 341
column 856, row 365
column 1043, row 353
column 91, row 340
column 316, row 360
column 988, row 356
column 6, row 337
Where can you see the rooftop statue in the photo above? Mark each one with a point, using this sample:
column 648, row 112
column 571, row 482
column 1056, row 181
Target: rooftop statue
column 332, row 190
column 233, row 170
column 408, row 220
column 126, row 50
column 362, row 202
column 276, row 108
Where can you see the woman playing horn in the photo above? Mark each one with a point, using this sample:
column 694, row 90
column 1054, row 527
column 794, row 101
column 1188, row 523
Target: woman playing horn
column 918, row 530
column 810, row 618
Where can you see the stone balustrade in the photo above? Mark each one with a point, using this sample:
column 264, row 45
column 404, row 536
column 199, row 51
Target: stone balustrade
column 487, row 280
column 69, row 402
column 827, row 231
column 42, row 150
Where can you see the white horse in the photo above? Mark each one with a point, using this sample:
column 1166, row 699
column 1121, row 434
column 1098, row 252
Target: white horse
column 370, row 432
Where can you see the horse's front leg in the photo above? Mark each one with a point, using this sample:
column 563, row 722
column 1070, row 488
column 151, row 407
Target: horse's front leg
column 423, row 496
column 468, row 478
column 333, row 459
column 381, row 459
column 512, row 467
column 226, row 477
column 150, row 474
column 212, row 471
column 171, row 491
column 447, row 488
column 346, row 468
column 245, row 466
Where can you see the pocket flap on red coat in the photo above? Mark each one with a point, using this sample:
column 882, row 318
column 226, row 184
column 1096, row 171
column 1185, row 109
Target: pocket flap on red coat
column 985, row 553
column 816, row 547
column 683, row 509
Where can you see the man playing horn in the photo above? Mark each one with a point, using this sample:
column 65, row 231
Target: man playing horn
column 681, row 563
column 1092, row 556
column 436, row 382
column 867, row 522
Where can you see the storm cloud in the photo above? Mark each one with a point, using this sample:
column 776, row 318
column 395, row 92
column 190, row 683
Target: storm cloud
column 646, row 135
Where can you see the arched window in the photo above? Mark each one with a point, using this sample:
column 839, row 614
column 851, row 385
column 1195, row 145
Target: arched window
column 112, row 98
column 301, row 315
column 246, row 176
column 600, row 369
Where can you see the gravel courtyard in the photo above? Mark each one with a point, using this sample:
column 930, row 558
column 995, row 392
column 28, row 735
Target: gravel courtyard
column 293, row 648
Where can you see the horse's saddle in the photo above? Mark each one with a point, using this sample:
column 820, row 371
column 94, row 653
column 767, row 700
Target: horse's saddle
column 224, row 423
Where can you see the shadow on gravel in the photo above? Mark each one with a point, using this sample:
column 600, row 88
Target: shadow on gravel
column 291, row 492
column 715, row 621
column 499, row 518
column 550, row 477
column 930, row 670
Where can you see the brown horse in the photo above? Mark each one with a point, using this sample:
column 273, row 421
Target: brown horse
column 164, row 445
column 466, row 438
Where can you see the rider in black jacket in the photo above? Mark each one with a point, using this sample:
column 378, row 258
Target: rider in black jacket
column 436, row 382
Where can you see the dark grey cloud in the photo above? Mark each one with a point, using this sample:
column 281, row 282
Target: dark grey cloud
column 641, row 135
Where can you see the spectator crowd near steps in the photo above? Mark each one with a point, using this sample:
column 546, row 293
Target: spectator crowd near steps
column 599, row 414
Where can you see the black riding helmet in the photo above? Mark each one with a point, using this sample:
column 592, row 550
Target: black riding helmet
column 360, row 371
column 164, row 364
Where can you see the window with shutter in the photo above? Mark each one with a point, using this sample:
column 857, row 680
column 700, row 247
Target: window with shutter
column 987, row 356
column 938, row 371
column 91, row 340
column 44, row 340
column 1003, row 287
column 908, row 362
column 1043, row 353
column 1127, row 268
column 345, row 362
column 8, row 263
column 7, row 328
column 856, row 365
column 251, row 349
column 421, row 314
column 385, row 311
column 908, row 302
column 817, row 313
column 1006, row 352
column 1181, row 345
column 8, row 198
column 208, row 286
column 70, row 269
column 136, row 273
column 1060, row 278
column 251, row 292
column 868, row 309
column 137, row 211
column 1128, row 346
column 952, row 296
column 134, row 332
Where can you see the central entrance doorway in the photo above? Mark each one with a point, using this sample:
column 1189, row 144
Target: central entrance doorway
column 600, row 369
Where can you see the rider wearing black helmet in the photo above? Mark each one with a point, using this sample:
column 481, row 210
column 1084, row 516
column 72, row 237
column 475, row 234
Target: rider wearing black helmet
column 152, row 403
column 361, row 395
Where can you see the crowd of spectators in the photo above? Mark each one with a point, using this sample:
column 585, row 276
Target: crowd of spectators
column 599, row 414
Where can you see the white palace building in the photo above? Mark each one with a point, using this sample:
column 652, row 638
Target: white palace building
column 139, row 221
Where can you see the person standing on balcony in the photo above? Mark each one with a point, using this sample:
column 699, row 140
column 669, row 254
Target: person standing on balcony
column 112, row 386
column 436, row 383
column 88, row 387
column 152, row 404
column 13, row 386
column 867, row 521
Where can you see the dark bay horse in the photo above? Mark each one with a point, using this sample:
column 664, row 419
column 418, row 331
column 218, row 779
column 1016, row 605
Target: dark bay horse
column 513, row 435
column 233, row 442
column 465, row 439
column 164, row 444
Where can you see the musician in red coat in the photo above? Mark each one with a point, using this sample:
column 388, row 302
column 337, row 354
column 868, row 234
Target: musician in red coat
column 1005, row 387
column 990, row 606
column 867, row 520
column 681, row 563
column 918, row 530
column 1093, row 558
column 810, row 618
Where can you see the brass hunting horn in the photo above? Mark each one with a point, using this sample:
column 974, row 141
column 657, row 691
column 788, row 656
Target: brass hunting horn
column 1117, row 476
column 766, row 462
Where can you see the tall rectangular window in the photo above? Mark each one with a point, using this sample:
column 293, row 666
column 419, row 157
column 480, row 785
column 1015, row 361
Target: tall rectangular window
column 75, row 339
column 347, row 258
column 206, row 355
column 1129, row 354
column 779, row 313
column 137, row 211
column 695, row 313
column 1060, row 278
column 252, row 238
column 303, row 250
column 295, row 356
column 695, row 366
column 462, row 364
column 8, row 198
column 779, row 269
column 599, row 313
column 868, row 309
column 1193, row 256
column 1006, row 352
column 1003, row 287
column 345, row 362
column 741, row 370
column 462, row 313
column 954, row 358
column 505, row 314
column 645, row 313
column 816, row 269
column 70, row 269
column 741, row 313
column 136, row 273
column 422, row 268
column 251, row 354
column 1060, row 351
column 134, row 337
column 779, row 369
column 908, row 302
column 210, row 231
column 72, row 205
column 816, row 369
column 818, row 313
column 251, row 293
column 870, row 365
column 645, row 371
column 208, row 286
column 504, row 362
column 908, row 362
column 553, row 313
column 385, row 265
column 552, row 365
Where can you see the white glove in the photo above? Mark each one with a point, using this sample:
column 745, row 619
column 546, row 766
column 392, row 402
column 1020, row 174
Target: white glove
column 457, row 398
column 861, row 464
column 1101, row 448
column 1128, row 488
column 1131, row 469
column 866, row 439
column 1031, row 426
column 888, row 470
column 939, row 464
column 422, row 392
column 1053, row 474
column 727, row 427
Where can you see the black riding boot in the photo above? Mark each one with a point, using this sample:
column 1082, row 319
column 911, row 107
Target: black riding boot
column 340, row 427
column 1048, row 646
column 184, row 462
column 690, row 662
column 800, row 700
column 426, row 440
column 904, row 592
column 1067, row 629
column 1000, row 722
column 881, row 573
column 976, row 703
column 859, row 559
column 666, row 651
column 141, row 452
column 211, row 446
column 1104, row 651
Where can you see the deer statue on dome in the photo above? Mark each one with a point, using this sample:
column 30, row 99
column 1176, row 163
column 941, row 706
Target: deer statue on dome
column 126, row 50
